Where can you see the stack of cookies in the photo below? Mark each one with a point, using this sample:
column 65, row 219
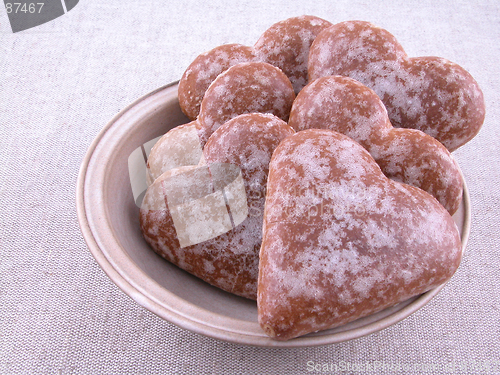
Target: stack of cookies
column 316, row 174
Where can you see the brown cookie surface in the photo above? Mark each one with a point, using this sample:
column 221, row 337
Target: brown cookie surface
column 246, row 88
column 286, row 45
column 207, row 219
column 341, row 241
column 431, row 94
column 345, row 105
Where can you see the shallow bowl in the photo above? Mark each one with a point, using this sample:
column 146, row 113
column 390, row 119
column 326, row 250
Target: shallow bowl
column 109, row 220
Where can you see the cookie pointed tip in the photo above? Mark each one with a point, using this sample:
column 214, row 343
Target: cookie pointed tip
column 269, row 330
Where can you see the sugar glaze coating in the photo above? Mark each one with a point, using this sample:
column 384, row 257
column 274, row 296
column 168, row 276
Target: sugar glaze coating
column 345, row 105
column 431, row 94
column 286, row 45
column 246, row 88
column 229, row 260
column 341, row 241
column 178, row 147
column 203, row 71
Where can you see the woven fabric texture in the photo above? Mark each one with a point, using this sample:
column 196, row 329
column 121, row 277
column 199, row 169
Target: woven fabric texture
column 62, row 81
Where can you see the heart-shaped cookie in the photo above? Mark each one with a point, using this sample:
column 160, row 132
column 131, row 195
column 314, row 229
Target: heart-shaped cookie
column 431, row 94
column 178, row 147
column 341, row 240
column 245, row 88
column 286, row 45
column 207, row 219
column 345, row 105
column 204, row 70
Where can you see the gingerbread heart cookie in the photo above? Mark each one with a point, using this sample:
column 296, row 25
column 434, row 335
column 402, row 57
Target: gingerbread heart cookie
column 178, row 147
column 207, row 219
column 431, row 94
column 246, row 88
column 341, row 240
column 345, row 105
column 203, row 71
column 286, row 45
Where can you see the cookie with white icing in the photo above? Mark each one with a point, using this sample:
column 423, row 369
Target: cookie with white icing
column 341, row 240
column 178, row 147
column 254, row 87
column 286, row 45
column 203, row 71
column 408, row 155
column 431, row 94
column 207, row 219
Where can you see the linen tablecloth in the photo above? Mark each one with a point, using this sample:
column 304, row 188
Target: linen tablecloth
column 62, row 81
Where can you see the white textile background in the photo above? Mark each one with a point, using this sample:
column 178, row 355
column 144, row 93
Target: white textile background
column 61, row 82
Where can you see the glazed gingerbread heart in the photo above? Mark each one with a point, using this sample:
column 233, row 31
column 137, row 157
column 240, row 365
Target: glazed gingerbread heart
column 207, row 219
column 284, row 45
column 253, row 87
column 431, row 94
column 341, row 240
column 203, row 71
column 408, row 155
